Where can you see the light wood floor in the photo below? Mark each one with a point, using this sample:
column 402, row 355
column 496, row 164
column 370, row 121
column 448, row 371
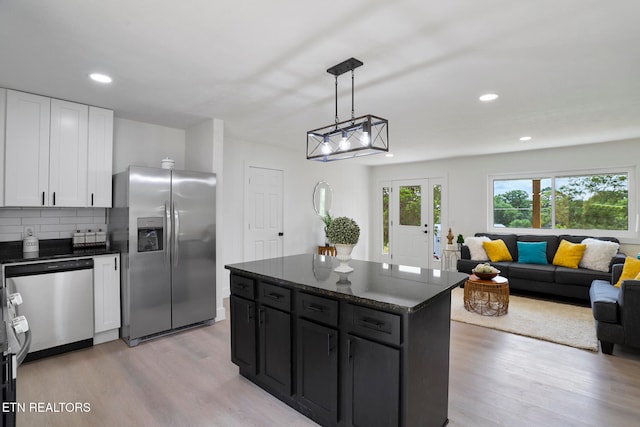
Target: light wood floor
column 497, row 379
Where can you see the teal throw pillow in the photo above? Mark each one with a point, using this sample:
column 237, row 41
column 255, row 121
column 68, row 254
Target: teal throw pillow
column 532, row 252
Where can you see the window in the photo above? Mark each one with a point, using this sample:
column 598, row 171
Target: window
column 582, row 201
column 385, row 219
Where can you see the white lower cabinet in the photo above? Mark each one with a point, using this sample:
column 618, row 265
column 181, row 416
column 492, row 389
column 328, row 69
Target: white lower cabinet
column 106, row 297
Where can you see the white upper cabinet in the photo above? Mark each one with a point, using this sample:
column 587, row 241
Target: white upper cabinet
column 68, row 154
column 26, row 172
column 100, row 157
column 57, row 153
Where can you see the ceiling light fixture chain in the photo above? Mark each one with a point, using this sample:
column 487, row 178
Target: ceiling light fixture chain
column 335, row 142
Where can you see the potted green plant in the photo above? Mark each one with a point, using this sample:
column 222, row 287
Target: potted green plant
column 327, row 219
column 460, row 241
column 344, row 233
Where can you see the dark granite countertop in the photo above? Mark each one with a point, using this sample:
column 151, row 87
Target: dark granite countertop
column 11, row 252
column 387, row 286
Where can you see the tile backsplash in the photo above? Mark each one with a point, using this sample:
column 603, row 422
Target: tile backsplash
column 49, row 223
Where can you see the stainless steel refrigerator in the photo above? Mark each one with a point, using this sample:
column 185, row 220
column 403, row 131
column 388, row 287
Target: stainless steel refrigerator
column 163, row 223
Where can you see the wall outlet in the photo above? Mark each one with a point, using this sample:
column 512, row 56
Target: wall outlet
column 29, row 230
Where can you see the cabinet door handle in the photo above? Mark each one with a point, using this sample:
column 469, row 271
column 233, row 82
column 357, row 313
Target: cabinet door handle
column 115, row 265
column 316, row 308
column 329, row 348
column 275, row 296
column 54, row 198
column 43, row 198
column 91, row 199
column 261, row 317
column 349, row 355
column 371, row 323
column 249, row 314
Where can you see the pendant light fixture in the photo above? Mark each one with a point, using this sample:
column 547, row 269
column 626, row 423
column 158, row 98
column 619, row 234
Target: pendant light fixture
column 360, row 136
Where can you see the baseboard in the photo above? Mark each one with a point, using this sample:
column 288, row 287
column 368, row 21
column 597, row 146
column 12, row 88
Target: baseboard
column 106, row 336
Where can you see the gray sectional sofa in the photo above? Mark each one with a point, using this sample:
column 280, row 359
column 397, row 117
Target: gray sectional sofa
column 543, row 278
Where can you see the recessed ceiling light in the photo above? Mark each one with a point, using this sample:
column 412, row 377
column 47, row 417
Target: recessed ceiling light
column 525, row 138
column 488, row 97
column 101, row 78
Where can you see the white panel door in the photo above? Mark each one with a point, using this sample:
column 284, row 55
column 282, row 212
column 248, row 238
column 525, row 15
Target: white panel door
column 100, row 155
column 26, row 172
column 68, row 154
column 416, row 213
column 263, row 214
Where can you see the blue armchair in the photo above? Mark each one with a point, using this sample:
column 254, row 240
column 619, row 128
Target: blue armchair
column 617, row 311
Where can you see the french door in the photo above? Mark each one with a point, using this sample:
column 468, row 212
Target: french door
column 415, row 222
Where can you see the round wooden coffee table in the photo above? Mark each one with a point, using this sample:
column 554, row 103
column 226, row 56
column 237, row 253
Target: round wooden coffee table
column 487, row 297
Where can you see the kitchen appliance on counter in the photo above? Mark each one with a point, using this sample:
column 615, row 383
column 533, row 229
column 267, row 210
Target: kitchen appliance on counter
column 57, row 301
column 163, row 223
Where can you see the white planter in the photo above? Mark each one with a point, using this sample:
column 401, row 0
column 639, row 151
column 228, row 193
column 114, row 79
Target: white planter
column 343, row 254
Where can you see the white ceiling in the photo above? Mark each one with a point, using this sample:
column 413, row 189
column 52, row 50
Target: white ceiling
column 567, row 71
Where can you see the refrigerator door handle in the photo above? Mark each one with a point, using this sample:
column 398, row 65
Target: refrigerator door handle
column 176, row 234
column 167, row 229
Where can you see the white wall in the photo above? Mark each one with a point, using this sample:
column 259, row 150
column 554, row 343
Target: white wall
column 468, row 179
column 145, row 144
column 204, row 144
column 303, row 228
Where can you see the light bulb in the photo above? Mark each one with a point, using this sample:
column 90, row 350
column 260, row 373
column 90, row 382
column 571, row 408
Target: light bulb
column 344, row 142
column 364, row 139
column 326, row 148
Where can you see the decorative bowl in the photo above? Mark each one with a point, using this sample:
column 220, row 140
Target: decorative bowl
column 486, row 276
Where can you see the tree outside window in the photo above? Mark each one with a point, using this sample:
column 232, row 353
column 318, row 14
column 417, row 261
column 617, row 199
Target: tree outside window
column 582, row 202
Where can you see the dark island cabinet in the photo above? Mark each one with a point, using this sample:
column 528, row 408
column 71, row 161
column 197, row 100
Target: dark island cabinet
column 275, row 348
column 373, row 384
column 340, row 357
column 243, row 334
column 317, row 375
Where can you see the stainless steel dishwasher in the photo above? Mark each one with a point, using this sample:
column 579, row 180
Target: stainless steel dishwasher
column 58, row 303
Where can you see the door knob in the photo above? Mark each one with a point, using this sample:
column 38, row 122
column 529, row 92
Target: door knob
column 426, row 231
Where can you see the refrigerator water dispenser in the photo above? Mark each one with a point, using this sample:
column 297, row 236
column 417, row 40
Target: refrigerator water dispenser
column 150, row 234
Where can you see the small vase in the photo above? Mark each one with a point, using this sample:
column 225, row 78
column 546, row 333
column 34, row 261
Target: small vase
column 343, row 254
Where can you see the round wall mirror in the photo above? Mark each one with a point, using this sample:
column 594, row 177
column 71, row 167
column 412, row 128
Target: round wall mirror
column 322, row 198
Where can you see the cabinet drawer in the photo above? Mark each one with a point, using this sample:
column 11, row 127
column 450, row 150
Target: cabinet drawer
column 274, row 296
column 320, row 309
column 379, row 325
column 242, row 286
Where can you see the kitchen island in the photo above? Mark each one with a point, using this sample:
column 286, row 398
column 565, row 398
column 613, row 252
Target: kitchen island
column 367, row 349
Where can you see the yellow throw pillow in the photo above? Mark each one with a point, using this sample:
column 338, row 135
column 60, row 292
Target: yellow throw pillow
column 630, row 270
column 569, row 254
column 497, row 250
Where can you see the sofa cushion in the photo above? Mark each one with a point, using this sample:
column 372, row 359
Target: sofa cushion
column 569, row 254
column 604, row 301
column 630, row 270
column 508, row 239
column 579, row 276
column 476, row 249
column 578, row 239
column 497, row 250
column 532, row 252
column 537, row 272
column 552, row 243
column 598, row 254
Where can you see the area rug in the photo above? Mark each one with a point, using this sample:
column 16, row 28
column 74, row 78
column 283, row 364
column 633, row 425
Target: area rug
column 551, row 321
